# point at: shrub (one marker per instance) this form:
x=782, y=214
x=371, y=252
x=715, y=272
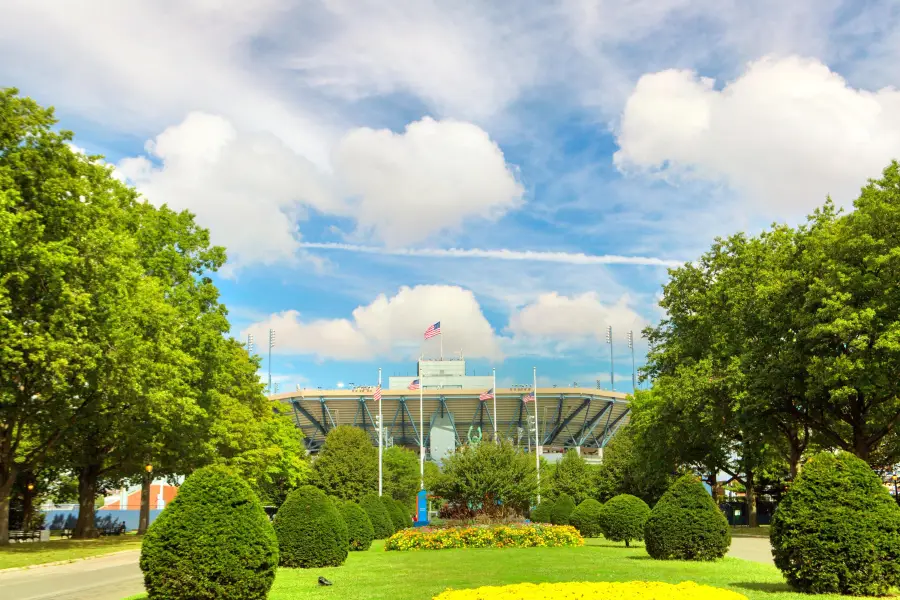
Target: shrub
x=623, y=518
x=494, y=536
x=394, y=517
x=311, y=532
x=378, y=515
x=837, y=530
x=686, y=524
x=543, y=512
x=573, y=476
x=360, y=532
x=213, y=540
x=633, y=590
x=586, y=518
x=401, y=474
x=562, y=510
x=347, y=466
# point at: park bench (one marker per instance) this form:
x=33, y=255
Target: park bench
x=24, y=536
x=112, y=529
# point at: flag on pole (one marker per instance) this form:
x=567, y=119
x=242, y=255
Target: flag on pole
x=528, y=398
x=487, y=395
x=433, y=331
x=414, y=385
x=378, y=393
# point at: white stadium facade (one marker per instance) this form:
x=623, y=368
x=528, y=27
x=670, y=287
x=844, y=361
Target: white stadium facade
x=453, y=413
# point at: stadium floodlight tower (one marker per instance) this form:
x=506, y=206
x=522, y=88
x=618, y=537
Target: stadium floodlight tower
x=271, y=345
x=630, y=338
x=609, y=340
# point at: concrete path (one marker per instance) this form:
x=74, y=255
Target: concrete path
x=752, y=548
x=111, y=577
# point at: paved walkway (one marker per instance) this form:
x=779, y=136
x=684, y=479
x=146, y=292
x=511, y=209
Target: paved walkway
x=752, y=548
x=111, y=577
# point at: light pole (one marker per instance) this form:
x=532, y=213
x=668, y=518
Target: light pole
x=271, y=345
x=631, y=347
x=609, y=340
x=249, y=344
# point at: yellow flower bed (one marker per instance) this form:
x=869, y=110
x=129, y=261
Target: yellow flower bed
x=633, y=590
x=496, y=536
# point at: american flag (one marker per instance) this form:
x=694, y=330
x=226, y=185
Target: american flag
x=528, y=398
x=433, y=330
x=487, y=395
x=414, y=385
x=378, y=394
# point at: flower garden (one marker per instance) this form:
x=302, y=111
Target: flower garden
x=498, y=536
x=632, y=590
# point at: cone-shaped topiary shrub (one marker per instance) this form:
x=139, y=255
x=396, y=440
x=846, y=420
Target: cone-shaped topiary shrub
x=311, y=532
x=837, y=530
x=393, y=512
x=213, y=540
x=359, y=527
x=623, y=518
x=686, y=524
x=586, y=518
x=562, y=510
x=543, y=512
x=378, y=514
x=406, y=513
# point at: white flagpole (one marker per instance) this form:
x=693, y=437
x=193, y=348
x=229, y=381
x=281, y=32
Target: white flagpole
x=441, y=335
x=496, y=439
x=380, y=437
x=537, y=436
x=421, y=433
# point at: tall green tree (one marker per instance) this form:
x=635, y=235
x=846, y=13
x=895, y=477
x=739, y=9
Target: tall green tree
x=347, y=465
x=573, y=476
x=401, y=478
x=66, y=264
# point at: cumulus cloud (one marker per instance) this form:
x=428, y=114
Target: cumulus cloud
x=574, y=319
x=251, y=190
x=785, y=134
x=429, y=178
x=388, y=327
x=248, y=189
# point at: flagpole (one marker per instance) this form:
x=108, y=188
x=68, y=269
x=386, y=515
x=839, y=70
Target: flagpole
x=421, y=432
x=380, y=437
x=537, y=437
x=441, y=335
x=495, y=406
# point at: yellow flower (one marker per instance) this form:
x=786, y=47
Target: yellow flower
x=634, y=590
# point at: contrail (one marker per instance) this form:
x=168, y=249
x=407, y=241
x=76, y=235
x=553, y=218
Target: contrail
x=571, y=258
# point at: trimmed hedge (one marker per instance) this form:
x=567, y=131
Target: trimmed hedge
x=623, y=518
x=491, y=536
x=543, y=512
x=393, y=517
x=311, y=532
x=562, y=510
x=686, y=524
x=837, y=530
x=359, y=528
x=632, y=590
x=378, y=515
x=586, y=518
x=213, y=540
x=397, y=513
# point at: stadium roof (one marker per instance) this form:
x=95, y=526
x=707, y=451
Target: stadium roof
x=568, y=417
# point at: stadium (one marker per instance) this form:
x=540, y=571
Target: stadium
x=457, y=409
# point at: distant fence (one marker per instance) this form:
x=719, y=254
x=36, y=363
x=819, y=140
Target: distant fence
x=65, y=519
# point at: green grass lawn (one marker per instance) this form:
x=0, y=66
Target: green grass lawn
x=37, y=553
x=379, y=575
x=761, y=531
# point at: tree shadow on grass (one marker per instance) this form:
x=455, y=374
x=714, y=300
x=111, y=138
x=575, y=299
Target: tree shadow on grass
x=638, y=557
x=769, y=588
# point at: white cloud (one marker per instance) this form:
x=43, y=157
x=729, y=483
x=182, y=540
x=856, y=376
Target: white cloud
x=570, y=320
x=428, y=179
x=785, y=134
x=571, y=258
x=388, y=327
x=251, y=190
x=248, y=189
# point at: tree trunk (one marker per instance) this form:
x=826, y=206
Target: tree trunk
x=796, y=454
x=750, y=497
x=6, y=486
x=144, y=520
x=85, y=526
x=27, y=506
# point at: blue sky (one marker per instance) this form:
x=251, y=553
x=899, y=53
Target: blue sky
x=522, y=174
